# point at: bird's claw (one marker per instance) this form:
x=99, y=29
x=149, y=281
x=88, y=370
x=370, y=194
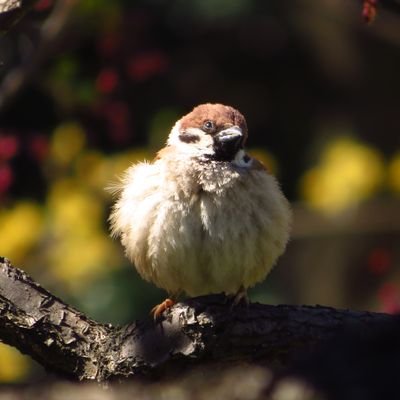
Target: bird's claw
x=240, y=297
x=160, y=308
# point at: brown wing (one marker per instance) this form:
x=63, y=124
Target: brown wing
x=258, y=165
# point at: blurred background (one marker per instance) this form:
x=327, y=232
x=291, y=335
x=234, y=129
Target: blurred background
x=88, y=87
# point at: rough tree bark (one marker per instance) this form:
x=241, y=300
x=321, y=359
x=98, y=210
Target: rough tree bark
x=11, y=11
x=199, y=330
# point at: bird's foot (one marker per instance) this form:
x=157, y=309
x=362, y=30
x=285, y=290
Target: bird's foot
x=240, y=297
x=160, y=308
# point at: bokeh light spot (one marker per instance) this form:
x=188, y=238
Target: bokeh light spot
x=348, y=172
x=14, y=366
x=67, y=141
x=379, y=261
x=107, y=80
x=21, y=228
x=9, y=146
x=394, y=173
x=6, y=178
x=144, y=66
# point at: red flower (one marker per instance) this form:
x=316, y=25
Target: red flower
x=6, y=178
x=389, y=297
x=39, y=147
x=144, y=66
x=8, y=146
x=43, y=5
x=379, y=261
x=107, y=80
x=369, y=10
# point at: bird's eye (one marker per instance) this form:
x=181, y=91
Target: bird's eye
x=208, y=126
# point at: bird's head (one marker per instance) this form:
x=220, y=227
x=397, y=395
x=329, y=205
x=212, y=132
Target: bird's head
x=211, y=131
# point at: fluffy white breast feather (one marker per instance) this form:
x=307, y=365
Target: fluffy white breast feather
x=201, y=226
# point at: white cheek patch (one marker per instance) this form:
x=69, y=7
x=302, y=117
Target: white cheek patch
x=205, y=141
x=173, y=138
x=204, y=144
x=242, y=160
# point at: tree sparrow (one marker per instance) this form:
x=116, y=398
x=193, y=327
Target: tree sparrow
x=204, y=217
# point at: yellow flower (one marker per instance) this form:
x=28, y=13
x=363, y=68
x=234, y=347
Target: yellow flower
x=348, y=173
x=98, y=171
x=13, y=366
x=21, y=229
x=80, y=247
x=77, y=260
x=394, y=173
x=73, y=209
x=67, y=142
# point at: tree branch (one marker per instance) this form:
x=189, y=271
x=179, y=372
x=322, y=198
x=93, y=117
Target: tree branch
x=11, y=11
x=50, y=33
x=202, y=329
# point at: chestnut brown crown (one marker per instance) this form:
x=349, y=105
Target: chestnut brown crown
x=221, y=116
x=219, y=130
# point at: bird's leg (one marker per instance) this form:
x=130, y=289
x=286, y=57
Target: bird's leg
x=240, y=297
x=160, y=308
x=165, y=305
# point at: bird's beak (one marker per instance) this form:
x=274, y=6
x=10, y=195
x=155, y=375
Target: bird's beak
x=231, y=136
x=227, y=143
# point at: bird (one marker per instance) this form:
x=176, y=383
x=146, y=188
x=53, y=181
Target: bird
x=204, y=216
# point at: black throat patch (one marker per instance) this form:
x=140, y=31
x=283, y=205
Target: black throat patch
x=226, y=151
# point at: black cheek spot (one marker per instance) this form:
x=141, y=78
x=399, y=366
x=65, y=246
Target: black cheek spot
x=189, y=138
x=246, y=158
